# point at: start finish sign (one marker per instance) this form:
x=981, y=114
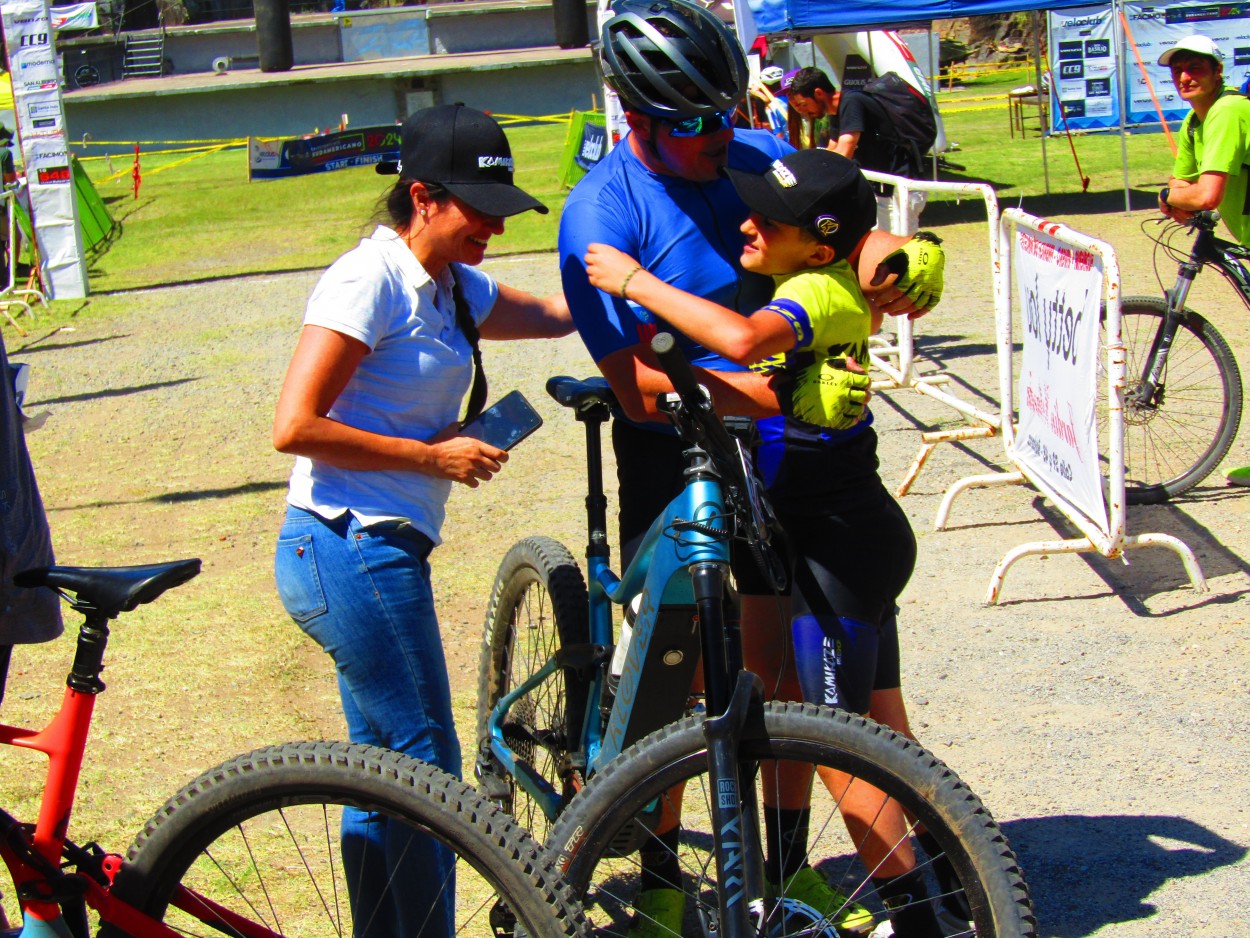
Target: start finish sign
x=1059, y=295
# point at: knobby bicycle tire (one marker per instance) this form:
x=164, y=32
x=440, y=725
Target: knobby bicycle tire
x=259, y=835
x=537, y=605
x=1171, y=446
x=586, y=840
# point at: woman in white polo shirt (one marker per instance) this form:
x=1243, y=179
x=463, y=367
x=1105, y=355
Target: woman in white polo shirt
x=371, y=409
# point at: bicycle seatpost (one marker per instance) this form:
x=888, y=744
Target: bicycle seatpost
x=594, y=412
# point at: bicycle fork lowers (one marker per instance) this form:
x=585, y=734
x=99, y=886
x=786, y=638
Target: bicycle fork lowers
x=1207, y=249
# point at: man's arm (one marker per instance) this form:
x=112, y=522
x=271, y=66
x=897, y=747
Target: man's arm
x=845, y=145
x=908, y=285
x=636, y=379
x=1201, y=195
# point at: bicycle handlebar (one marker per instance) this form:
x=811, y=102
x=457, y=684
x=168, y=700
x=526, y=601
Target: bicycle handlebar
x=696, y=402
x=697, y=422
x=1206, y=220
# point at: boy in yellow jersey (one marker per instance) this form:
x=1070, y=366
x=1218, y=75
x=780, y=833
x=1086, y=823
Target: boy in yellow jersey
x=852, y=545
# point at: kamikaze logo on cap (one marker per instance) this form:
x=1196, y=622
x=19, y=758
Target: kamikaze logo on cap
x=466, y=152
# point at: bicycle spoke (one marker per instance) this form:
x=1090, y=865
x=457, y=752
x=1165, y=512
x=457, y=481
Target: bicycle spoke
x=273, y=857
x=861, y=833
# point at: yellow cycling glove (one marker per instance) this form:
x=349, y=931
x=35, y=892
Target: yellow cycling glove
x=920, y=265
x=825, y=393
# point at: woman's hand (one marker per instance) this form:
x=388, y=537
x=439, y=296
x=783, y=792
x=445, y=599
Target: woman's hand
x=464, y=459
x=608, y=268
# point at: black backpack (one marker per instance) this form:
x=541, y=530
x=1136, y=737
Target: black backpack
x=913, y=128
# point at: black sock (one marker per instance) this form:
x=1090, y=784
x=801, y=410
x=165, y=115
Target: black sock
x=786, y=832
x=660, y=866
x=954, y=899
x=906, y=901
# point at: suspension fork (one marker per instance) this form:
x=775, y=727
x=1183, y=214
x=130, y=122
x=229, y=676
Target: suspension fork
x=737, y=846
x=1154, y=369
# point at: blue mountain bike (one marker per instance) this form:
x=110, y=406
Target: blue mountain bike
x=596, y=741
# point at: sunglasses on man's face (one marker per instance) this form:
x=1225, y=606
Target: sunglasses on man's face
x=701, y=126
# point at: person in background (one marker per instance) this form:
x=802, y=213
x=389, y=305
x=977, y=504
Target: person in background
x=813, y=101
x=8, y=177
x=1213, y=146
x=26, y=615
x=767, y=92
x=371, y=409
x=848, y=123
x=1212, y=165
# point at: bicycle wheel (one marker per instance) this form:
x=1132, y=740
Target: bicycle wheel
x=975, y=862
x=537, y=605
x=252, y=848
x=1175, y=441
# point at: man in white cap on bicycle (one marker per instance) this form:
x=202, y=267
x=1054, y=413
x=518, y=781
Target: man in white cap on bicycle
x=1213, y=150
x=1212, y=167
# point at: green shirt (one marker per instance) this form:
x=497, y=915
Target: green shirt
x=821, y=129
x=1220, y=144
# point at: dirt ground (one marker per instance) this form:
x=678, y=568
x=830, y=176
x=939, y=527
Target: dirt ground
x=1100, y=710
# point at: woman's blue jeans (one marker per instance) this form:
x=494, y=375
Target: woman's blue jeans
x=364, y=595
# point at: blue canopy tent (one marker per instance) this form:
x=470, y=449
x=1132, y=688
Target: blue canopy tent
x=804, y=18
x=773, y=16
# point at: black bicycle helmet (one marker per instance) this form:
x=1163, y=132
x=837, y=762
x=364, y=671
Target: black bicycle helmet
x=671, y=59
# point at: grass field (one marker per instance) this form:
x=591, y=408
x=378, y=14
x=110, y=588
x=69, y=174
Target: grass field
x=199, y=217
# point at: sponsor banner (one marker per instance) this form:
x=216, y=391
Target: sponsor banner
x=1084, y=65
x=34, y=69
x=1156, y=28
x=26, y=25
x=1059, y=292
x=42, y=112
x=74, y=16
x=40, y=120
x=320, y=153
x=47, y=160
x=585, y=144
x=594, y=143
x=1091, y=90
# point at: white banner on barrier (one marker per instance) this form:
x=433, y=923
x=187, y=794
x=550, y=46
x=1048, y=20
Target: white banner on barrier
x=1059, y=290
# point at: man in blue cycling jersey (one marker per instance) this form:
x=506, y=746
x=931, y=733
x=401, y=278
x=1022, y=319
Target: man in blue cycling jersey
x=660, y=197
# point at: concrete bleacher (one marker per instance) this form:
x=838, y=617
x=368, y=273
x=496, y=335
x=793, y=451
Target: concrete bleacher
x=375, y=66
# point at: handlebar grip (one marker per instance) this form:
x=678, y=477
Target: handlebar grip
x=695, y=399
x=676, y=367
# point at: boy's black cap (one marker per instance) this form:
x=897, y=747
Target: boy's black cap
x=813, y=189
x=465, y=152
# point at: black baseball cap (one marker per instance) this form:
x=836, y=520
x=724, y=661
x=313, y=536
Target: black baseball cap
x=818, y=190
x=465, y=152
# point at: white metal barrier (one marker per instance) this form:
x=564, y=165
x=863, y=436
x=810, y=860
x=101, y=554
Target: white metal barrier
x=11, y=296
x=1106, y=533
x=897, y=359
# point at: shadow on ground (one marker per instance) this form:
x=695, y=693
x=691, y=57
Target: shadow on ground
x=1086, y=873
